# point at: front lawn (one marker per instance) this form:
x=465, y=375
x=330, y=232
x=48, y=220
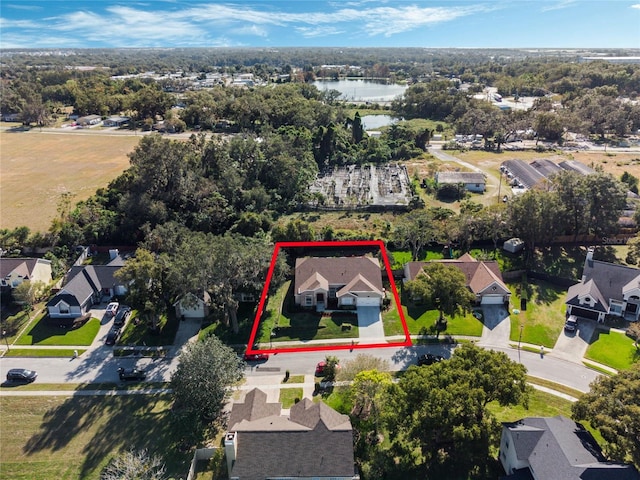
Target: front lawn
x=421, y=321
x=288, y=396
x=44, y=333
x=543, y=320
x=288, y=324
x=70, y=438
x=613, y=349
x=38, y=352
x=246, y=316
x=138, y=332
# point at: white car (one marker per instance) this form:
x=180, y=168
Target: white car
x=112, y=309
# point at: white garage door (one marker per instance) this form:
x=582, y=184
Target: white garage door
x=368, y=302
x=492, y=300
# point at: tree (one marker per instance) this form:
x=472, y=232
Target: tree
x=415, y=230
x=612, y=405
x=368, y=393
x=28, y=293
x=438, y=414
x=361, y=363
x=442, y=286
x=357, y=130
x=134, y=465
x=330, y=368
x=206, y=369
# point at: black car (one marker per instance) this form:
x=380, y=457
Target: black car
x=113, y=335
x=21, y=375
x=429, y=359
x=122, y=315
x=131, y=374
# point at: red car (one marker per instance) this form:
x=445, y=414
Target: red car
x=255, y=357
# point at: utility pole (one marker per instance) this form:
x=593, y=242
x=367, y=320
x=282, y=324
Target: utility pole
x=4, y=334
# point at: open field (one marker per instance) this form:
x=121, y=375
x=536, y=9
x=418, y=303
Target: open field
x=72, y=438
x=36, y=168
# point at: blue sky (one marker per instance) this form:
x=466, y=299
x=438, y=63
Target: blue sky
x=357, y=23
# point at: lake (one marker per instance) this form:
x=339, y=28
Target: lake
x=374, y=122
x=363, y=90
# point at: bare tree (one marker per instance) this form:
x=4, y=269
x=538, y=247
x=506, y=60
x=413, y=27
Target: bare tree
x=134, y=465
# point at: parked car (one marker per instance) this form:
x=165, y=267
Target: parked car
x=113, y=335
x=131, y=374
x=255, y=357
x=112, y=309
x=429, y=359
x=321, y=366
x=571, y=324
x=21, y=375
x=122, y=315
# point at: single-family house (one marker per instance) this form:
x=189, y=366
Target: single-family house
x=484, y=279
x=14, y=271
x=472, y=181
x=312, y=441
x=84, y=287
x=338, y=282
x=89, y=120
x=193, y=306
x=115, y=121
x=605, y=289
x=556, y=448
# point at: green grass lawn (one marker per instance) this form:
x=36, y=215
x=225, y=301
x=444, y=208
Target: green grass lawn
x=295, y=379
x=35, y=352
x=246, y=316
x=139, y=333
x=543, y=320
x=72, y=438
x=44, y=333
x=289, y=325
x=421, y=321
x=288, y=396
x=613, y=349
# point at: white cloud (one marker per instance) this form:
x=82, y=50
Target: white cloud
x=637, y=5
x=560, y=5
x=316, y=32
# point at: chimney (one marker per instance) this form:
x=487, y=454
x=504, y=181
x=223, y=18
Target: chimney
x=590, y=251
x=230, y=450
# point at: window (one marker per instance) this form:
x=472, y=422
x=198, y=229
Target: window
x=308, y=300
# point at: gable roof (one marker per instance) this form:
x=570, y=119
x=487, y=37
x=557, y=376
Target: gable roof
x=603, y=281
x=479, y=276
x=358, y=284
x=313, y=441
x=313, y=272
x=84, y=281
x=23, y=267
x=559, y=448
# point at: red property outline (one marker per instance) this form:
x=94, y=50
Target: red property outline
x=320, y=348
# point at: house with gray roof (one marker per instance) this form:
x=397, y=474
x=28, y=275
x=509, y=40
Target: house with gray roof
x=472, y=181
x=311, y=441
x=338, y=282
x=556, y=448
x=14, y=271
x=605, y=289
x=84, y=287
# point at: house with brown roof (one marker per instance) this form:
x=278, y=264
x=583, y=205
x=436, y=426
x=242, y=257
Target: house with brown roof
x=14, y=271
x=312, y=441
x=338, y=282
x=556, y=448
x=484, y=279
x=605, y=289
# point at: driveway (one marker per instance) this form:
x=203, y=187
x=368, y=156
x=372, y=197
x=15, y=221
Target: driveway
x=370, y=325
x=572, y=346
x=496, y=326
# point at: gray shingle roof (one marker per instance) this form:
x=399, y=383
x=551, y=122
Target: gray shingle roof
x=524, y=172
x=559, y=448
x=314, y=441
x=460, y=177
x=83, y=282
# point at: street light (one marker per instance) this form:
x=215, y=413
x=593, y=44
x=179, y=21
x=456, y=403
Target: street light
x=520, y=337
x=4, y=334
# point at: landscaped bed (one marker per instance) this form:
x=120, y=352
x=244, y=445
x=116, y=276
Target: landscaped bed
x=613, y=349
x=43, y=332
